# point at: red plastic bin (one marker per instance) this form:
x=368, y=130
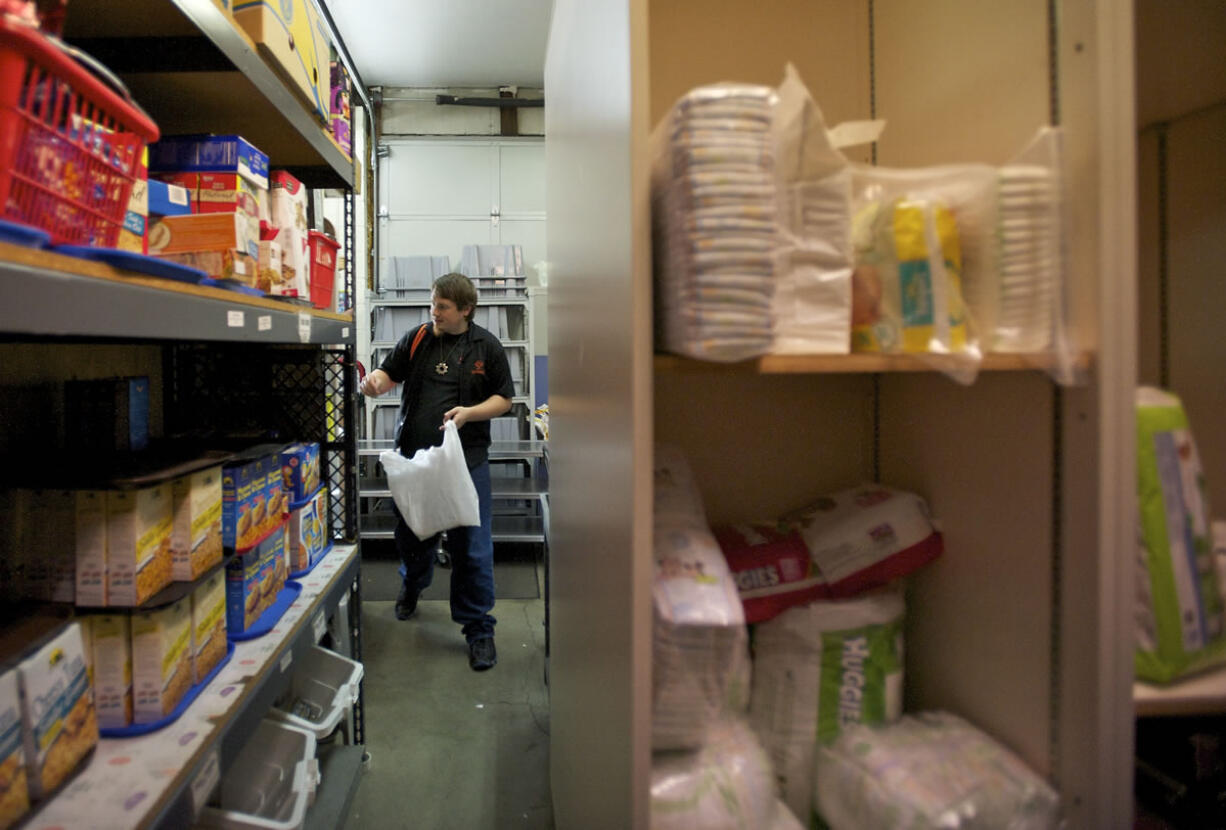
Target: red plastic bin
x=323, y=268
x=69, y=144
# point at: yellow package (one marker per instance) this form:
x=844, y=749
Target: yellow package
x=907, y=284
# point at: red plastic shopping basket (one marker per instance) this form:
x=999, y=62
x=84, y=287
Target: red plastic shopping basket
x=323, y=268
x=69, y=144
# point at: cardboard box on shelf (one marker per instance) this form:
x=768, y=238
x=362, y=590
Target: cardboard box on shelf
x=219, y=265
x=229, y=192
x=287, y=34
x=195, y=540
x=287, y=205
x=132, y=235
x=161, y=660
x=166, y=199
x=14, y=785
x=210, y=154
x=59, y=724
x=236, y=230
x=138, y=526
x=269, y=277
x=308, y=532
x=242, y=491
x=251, y=582
x=90, y=534
x=208, y=625
x=112, y=661
x=188, y=181
x=300, y=469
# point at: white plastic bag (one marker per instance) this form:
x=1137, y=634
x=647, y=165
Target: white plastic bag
x=433, y=489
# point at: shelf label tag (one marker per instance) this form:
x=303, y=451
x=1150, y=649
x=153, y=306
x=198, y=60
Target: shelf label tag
x=344, y=332
x=286, y=659
x=205, y=780
x=264, y=322
x=320, y=623
x=236, y=319
x=304, y=326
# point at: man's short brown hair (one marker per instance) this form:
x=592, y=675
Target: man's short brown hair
x=460, y=290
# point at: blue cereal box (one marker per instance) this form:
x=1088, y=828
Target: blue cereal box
x=210, y=153
x=300, y=470
x=243, y=591
x=242, y=490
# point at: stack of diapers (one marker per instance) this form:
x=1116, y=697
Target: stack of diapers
x=838, y=546
x=1027, y=314
x=715, y=221
x=932, y=770
x=812, y=306
x=727, y=785
x=818, y=669
x=1180, y=608
x=700, y=655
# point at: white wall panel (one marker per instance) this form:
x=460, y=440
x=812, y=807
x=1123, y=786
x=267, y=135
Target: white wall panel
x=522, y=178
x=438, y=178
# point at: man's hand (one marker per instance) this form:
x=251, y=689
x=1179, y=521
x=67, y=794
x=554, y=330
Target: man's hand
x=459, y=414
x=375, y=384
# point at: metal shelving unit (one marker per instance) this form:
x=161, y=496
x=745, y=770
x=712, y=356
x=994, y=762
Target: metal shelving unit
x=228, y=360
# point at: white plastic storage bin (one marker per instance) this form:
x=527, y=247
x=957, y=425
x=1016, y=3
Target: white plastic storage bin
x=270, y=784
x=324, y=686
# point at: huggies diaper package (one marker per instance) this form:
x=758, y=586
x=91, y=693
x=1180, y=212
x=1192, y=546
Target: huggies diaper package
x=1180, y=606
x=819, y=668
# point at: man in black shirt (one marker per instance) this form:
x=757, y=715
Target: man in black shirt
x=452, y=370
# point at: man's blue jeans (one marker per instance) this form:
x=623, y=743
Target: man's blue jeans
x=472, y=563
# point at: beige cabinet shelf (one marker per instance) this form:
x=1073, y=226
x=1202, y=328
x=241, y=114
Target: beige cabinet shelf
x=859, y=364
x=1204, y=694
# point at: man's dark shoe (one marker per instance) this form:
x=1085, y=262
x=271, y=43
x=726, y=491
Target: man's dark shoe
x=481, y=654
x=406, y=603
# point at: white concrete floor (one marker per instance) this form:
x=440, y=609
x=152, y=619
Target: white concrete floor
x=450, y=747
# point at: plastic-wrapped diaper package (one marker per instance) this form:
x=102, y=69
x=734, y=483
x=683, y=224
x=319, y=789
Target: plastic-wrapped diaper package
x=772, y=568
x=725, y=785
x=715, y=212
x=920, y=236
x=812, y=307
x=677, y=500
x=1023, y=311
x=700, y=649
x=932, y=770
x=819, y=668
x=1180, y=607
x=867, y=536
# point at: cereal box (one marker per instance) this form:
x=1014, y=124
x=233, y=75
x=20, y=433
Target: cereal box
x=138, y=525
x=242, y=487
x=308, y=532
x=112, y=660
x=208, y=625
x=195, y=540
x=57, y=708
x=161, y=660
x=90, y=537
x=243, y=575
x=14, y=790
x=300, y=470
